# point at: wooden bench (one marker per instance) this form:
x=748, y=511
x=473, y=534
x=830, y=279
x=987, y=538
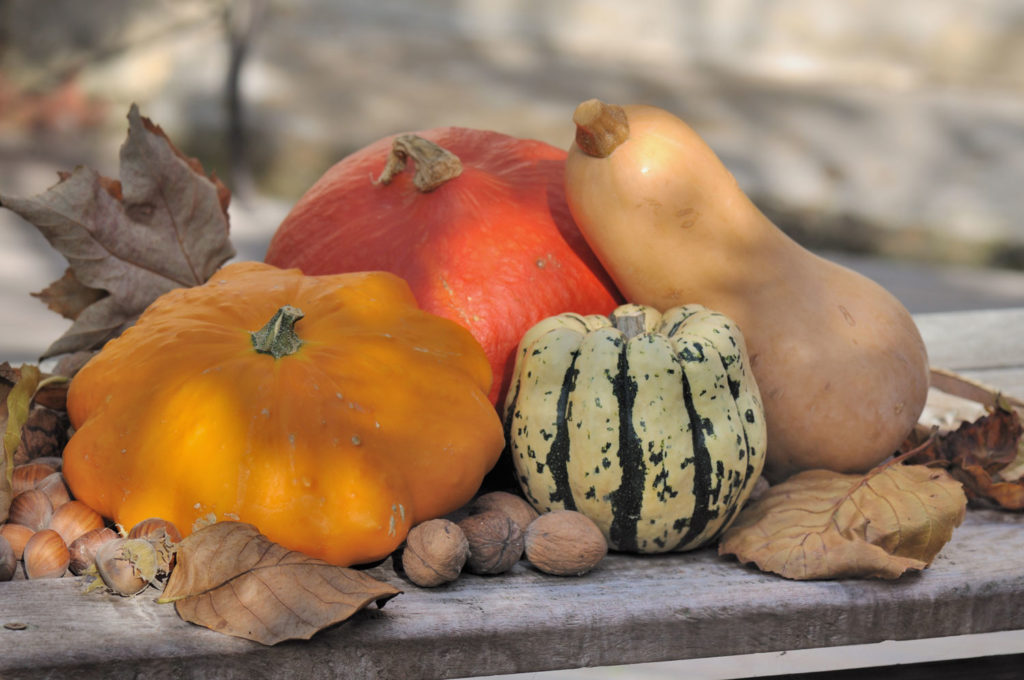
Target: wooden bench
x=630, y=610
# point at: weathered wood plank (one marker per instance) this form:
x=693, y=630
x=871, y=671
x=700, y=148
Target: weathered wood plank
x=629, y=610
x=983, y=340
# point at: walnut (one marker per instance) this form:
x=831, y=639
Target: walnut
x=495, y=542
x=565, y=543
x=516, y=507
x=435, y=552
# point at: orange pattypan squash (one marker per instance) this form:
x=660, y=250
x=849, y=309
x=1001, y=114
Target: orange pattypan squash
x=348, y=418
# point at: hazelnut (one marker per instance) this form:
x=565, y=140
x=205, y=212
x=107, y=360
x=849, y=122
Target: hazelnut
x=516, y=507
x=74, y=518
x=8, y=562
x=164, y=536
x=83, y=549
x=46, y=555
x=495, y=542
x=17, y=535
x=127, y=565
x=27, y=475
x=565, y=543
x=155, y=528
x=435, y=553
x=55, y=489
x=32, y=509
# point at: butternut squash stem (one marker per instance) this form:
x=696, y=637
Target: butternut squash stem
x=600, y=127
x=278, y=338
x=435, y=165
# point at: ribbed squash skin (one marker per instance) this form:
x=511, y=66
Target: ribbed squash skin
x=657, y=433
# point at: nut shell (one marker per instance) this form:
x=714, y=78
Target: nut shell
x=164, y=536
x=565, y=543
x=495, y=542
x=55, y=489
x=8, y=562
x=32, y=509
x=83, y=549
x=17, y=535
x=27, y=475
x=155, y=528
x=126, y=565
x=516, y=507
x=46, y=555
x=435, y=553
x=74, y=518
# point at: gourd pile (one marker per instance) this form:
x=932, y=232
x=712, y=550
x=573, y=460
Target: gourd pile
x=614, y=332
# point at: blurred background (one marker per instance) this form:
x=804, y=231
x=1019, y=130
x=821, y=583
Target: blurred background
x=887, y=135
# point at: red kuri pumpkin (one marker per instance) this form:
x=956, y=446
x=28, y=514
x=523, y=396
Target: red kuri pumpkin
x=480, y=231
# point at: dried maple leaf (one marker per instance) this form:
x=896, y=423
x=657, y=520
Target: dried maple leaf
x=826, y=525
x=986, y=455
x=234, y=580
x=163, y=226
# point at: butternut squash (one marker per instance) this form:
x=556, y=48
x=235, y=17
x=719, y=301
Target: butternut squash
x=840, y=364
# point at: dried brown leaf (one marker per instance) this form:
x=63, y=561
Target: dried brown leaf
x=234, y=580
x=986, y=455
x=68, y=297
x=825, y=525
x=51, y=393
x=163, y=226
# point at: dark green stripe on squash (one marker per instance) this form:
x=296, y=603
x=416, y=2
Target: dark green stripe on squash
x=701, y=462
x=627, y=499
x=558, y=454
x=637, y=465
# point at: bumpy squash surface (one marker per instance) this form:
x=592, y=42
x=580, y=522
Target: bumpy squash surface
x=376, y=420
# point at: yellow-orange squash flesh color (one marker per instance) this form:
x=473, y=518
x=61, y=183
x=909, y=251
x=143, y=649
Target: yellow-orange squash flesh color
x=378, y=421
x=841, y=366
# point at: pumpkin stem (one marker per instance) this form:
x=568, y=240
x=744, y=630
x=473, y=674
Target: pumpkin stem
x=600, y=127
x=278, y=337
x=434, y=165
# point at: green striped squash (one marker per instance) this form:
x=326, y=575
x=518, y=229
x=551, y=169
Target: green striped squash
x=650, y=424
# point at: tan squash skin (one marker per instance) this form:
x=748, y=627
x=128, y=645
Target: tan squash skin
x=841, y=366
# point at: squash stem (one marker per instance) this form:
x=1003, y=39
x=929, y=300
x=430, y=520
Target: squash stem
x=600, y=127
x=278, y=337
x=632, y=323
x=435, y=165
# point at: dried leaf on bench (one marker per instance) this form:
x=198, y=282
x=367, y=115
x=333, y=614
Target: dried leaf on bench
x=986, y=455
x=163, y=226
x=825, y=525
x=232, y=579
